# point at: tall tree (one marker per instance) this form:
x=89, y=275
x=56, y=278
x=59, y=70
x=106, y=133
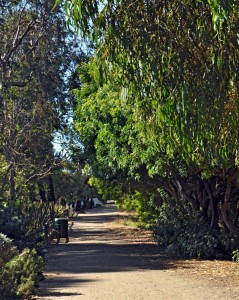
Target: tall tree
x=35, y=56
x=177, y=62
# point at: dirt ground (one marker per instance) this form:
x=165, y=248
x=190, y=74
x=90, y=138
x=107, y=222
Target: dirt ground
x=106, y=260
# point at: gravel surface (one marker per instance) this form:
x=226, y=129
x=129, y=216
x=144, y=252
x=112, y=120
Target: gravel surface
x=105, y=260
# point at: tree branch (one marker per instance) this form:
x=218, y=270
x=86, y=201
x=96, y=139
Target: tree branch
x=5, y=177
x=18, y=40
x=38, y=176
x=15, y=83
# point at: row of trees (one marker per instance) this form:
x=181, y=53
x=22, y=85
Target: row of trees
x=37, y=57
x=158, y=108
x=37, y=62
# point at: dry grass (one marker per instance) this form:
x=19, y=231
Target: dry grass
x=220, y=272
x=217, y=272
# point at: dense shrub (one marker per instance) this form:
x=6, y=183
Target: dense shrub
x=7, y=250
x=197, y=241
x=19, y=275
x=235, y=255
x=13, y=224
x=186, y=240
x=190, y=236
x=36, y=215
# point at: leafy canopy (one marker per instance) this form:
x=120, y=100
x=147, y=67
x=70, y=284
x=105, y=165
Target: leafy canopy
x=178, y=61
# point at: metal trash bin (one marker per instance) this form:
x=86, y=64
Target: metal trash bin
x=61, y=228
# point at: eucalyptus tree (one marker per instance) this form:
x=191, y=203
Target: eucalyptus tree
x=165, y=53
x=177, y=64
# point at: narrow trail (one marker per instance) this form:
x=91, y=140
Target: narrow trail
x=100, y=262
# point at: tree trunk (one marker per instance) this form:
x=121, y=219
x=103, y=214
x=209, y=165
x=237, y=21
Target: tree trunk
x=42, y=191
x=235, y=222
x=51, y=190
x=225, y=205
x=205, y=203
x=212, y=206
x=12, y=188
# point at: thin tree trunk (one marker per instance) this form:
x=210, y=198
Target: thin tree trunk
x=235, y=222
x=224, y=209
x=51, y=190
x=42, y=191
x=12, y=189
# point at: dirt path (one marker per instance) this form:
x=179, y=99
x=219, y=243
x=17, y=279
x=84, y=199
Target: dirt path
x=106, y=262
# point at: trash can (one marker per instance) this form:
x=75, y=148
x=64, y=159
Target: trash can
x=61, y=228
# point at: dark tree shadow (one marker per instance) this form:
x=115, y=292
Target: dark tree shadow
x=109, y=252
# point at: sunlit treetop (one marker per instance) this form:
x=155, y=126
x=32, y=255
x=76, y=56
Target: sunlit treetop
x=178, y=60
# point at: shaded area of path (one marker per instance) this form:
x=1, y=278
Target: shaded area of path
x=102, y=263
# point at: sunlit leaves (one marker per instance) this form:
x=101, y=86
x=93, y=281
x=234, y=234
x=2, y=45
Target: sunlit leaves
x=177, y=60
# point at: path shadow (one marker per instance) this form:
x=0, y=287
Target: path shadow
x=96, y=249
x=60, y=282
x=104, y=257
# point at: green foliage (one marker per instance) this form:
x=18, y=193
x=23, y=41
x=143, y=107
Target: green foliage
x=13, y=223
x=197, y=242
x=141, y=204
x=70, y=181
x=113, y=132
x=164, y=117
x=7, y=250
x=37, y=57
x=190, y=238
x=235, y=256
x=19, y=275
x=172, y=66
x=36, y=215
x=59, y=210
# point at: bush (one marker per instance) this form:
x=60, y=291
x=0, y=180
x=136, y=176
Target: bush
x=191, y=236
x=36, y=215
x=12, y=223
x=200, y=244
x=7, y=250
x=235, y=256
x=19, y=275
